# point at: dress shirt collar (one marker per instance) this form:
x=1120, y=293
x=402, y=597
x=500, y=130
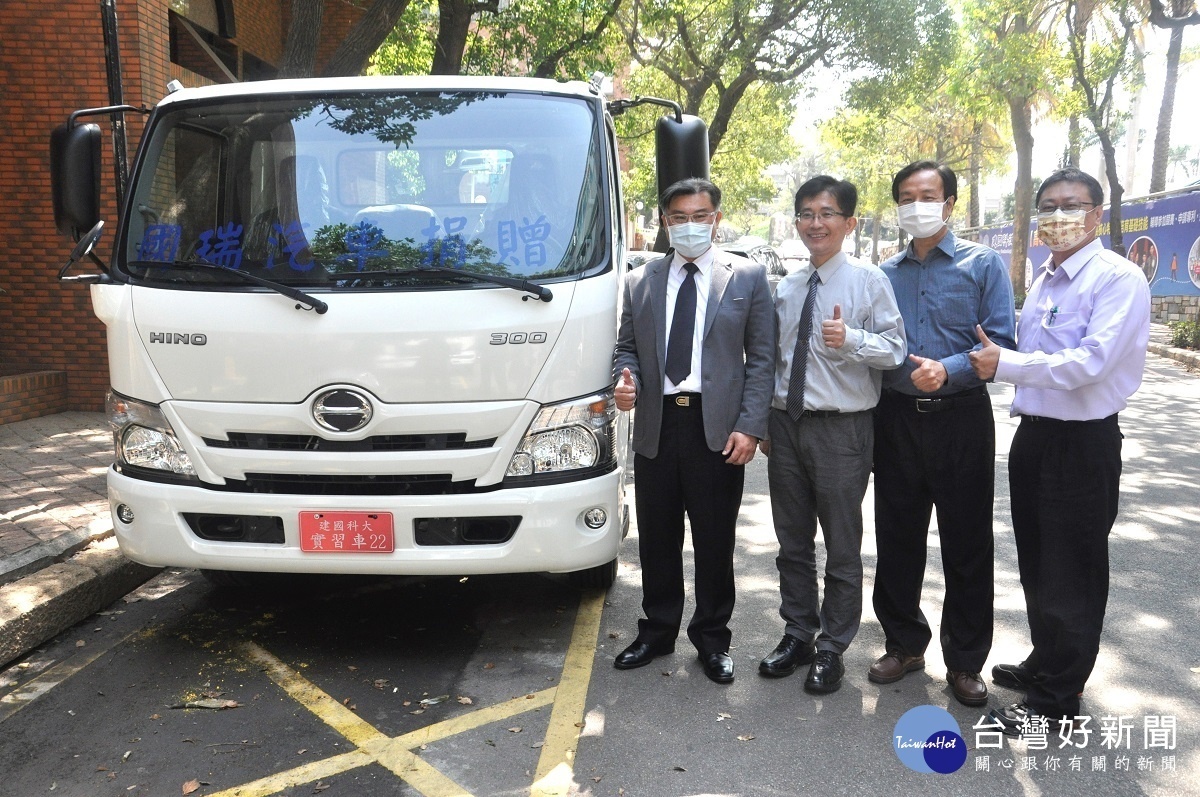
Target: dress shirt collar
x=703, y=263
x=1075, y=263
x=827, y=269
x=947, y=245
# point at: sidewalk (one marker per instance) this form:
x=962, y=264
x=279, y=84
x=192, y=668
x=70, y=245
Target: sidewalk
x=58, y=560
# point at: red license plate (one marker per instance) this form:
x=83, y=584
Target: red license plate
x=346, y=532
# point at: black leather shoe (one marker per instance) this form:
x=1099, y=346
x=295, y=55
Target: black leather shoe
x=639, y=654
x=1019, y=718
x=718, y=667
x=825, y=674
x=789, y=654
x=1014, y=676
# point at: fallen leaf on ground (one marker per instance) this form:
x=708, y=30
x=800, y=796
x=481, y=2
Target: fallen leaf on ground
x=515, y=729
x=679, y=769
x=212, y=703
x=466, y=701
x=745, y=737
x=489, y=666
x=433, y=701
x=191, y=786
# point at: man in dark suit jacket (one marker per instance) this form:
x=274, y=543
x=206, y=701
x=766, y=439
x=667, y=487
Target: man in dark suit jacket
x=696, y=352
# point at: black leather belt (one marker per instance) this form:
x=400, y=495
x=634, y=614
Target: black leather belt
x=820, y=413
x=682, y=400
x=967, y=398
x=1044, y=419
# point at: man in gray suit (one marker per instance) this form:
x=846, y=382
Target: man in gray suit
x=696, y=353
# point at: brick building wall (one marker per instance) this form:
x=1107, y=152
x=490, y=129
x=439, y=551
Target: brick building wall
x=53, y=63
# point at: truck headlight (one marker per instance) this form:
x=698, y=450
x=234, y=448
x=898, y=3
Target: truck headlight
x=143, y=437
x=573, y=439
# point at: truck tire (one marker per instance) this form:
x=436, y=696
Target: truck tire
x=600, y=576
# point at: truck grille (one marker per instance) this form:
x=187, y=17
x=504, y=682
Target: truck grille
x=323, y=484
x=392, y=442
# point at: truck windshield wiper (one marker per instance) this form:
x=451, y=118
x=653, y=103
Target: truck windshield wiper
x=525, y=286
x=287, y=290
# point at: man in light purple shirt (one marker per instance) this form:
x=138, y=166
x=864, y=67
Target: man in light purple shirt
x=1081, y=350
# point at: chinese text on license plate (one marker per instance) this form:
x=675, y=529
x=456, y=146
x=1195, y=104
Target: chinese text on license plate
x=346, y=532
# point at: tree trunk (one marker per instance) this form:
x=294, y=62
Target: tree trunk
x=727, y=101
x=1074, y=142
x=364, y=38
x=1116, y=192
x=300, y=50
x=454, y=24
x=1022, y=127
x=1166, y=112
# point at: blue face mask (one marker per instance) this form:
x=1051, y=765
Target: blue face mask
x=691, y=239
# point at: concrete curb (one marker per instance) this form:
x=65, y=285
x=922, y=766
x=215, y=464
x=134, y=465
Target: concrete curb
x=1185, y=356
x=48, y=602
x=42, y=555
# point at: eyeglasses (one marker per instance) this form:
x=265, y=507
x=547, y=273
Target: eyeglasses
x=807, y=217
x=1069, y=207
x=695, y=218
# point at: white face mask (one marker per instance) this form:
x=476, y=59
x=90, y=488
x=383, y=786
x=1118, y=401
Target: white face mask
x=921, y=219
x=690, y=239
x=1062, y=230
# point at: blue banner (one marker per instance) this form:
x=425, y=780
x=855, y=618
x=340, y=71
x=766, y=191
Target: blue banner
x=1162, y=236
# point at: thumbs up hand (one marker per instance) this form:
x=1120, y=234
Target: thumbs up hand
x=984, y=360
x=929, y=374
x=626, y=392
x=833, y=331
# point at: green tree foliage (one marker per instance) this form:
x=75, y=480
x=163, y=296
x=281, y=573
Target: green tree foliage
x=757, y=137
x=1099, y=35
x=1020, y=58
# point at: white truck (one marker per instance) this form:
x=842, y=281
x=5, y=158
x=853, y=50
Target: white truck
x=365, y=325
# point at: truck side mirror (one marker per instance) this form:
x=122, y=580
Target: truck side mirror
x=75, y=178
x=681, y=146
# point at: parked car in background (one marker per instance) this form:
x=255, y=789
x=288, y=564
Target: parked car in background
x=636, y=258
x=759, y=251
x=794, y=254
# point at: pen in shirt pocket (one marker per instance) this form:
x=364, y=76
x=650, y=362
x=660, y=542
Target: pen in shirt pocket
x=1050, y=315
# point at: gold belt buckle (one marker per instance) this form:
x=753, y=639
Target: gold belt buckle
x=683, y=401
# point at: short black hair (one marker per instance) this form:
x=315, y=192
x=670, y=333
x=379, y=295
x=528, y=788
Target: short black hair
x=1072, y=175
x=692, y=185
x=949, y=178
x=844, y=191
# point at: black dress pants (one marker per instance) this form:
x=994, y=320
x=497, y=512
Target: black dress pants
x=939, y=455
x=686, y=477
x=1064, y=478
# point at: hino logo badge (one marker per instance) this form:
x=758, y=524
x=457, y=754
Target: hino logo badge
x=187, y=338
x=342, y=410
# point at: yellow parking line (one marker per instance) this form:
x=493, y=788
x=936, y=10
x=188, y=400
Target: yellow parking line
x=308, y=773
x=304, y=692
x=556, y=767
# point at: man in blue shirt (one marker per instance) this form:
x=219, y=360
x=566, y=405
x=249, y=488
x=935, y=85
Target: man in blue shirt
x=935, y=439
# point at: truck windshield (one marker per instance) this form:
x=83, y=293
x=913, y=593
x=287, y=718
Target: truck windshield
x=311, y=192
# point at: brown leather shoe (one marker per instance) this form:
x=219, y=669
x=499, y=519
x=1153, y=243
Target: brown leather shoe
x=894, y=665
x=969, y=689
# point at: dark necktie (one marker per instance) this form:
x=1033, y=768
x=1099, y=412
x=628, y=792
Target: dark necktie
x=795, y=397
x=683, y=326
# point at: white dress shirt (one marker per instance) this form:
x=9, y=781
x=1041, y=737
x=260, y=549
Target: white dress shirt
x=1081, y=339
x=704, y=266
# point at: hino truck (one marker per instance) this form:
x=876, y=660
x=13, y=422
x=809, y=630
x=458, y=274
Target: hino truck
x=365, y=325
